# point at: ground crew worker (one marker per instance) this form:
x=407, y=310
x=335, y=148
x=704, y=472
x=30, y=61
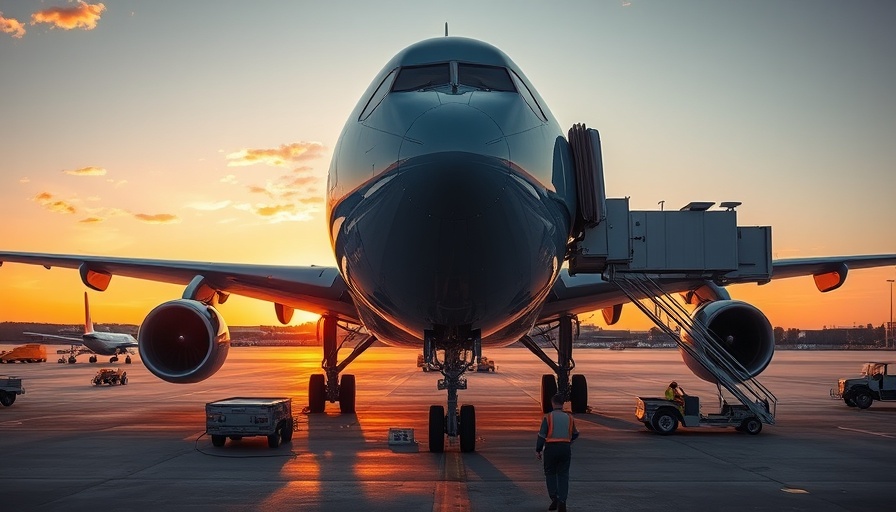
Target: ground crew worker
x=675, y=394
x=558, y=431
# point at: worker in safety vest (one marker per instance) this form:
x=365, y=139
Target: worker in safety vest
x=558, y=431
x=675, y=393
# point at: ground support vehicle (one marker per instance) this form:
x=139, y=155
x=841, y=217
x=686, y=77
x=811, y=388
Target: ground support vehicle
x=875, y=383
x=10, y=388
x=30, y=353
x=485, y=365
x=421, y=363
x=663, y=416
x=110, y=376
x=240, y=417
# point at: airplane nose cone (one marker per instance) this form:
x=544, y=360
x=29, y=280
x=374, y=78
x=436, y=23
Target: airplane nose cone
x=454, y=163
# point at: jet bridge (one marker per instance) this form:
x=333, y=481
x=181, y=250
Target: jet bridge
x=647, y=252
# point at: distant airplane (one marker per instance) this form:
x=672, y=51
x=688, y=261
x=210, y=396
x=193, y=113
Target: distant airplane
x=453, y=201
x=97, y=343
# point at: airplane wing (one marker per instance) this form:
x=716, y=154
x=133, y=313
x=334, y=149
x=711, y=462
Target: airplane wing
x=71, y=339
x=314, y=289
x=589, y=292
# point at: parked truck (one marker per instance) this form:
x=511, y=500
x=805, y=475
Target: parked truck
x=10, y=388
x=874, y=383
x=30, y=353
x=240, y=417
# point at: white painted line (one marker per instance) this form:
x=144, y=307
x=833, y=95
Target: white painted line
x=867, y=432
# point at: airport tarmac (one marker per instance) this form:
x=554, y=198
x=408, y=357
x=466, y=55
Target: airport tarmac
x=68, y=445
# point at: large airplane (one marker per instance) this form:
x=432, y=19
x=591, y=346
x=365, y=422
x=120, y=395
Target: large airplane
x=451, y=207
x=95, y=342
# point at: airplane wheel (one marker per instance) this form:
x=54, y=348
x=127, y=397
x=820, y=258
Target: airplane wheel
x=218, y=440
x=92, y=359
x=548, y=390
x=664, y=422
x=436, y=429
x=113, y=359
x=578, y=395
x=7, y=398
x=316, y=393
x=347, y=394
x=127, y=360
x=72, y=360
x=467, y=428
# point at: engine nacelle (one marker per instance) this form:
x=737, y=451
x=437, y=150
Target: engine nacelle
x=183, y=341
x=745, y=332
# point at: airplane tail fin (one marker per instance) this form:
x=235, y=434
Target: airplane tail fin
x=88, y=323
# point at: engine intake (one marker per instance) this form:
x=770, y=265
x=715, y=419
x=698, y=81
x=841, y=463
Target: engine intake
x=183, y=341
x=745, y=334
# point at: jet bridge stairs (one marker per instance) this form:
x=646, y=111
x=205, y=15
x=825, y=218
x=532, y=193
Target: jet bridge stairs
x=649, y=253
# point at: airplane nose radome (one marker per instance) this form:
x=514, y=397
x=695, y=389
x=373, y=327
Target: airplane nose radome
x=454, y=127
x=454, y=163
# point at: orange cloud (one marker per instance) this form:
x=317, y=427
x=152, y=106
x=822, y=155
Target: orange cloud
x=87, y=171
x=47, y=200
x=83, y=15
x=91, y=220
x=280, y=157
x=12, y=26
x=159, y=218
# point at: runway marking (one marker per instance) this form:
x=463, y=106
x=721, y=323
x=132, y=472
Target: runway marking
x=451, y=491
x=867, y=432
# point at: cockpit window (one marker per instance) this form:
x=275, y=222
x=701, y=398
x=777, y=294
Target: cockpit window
x=377, y=97
x=490, y=78
x=421, y=77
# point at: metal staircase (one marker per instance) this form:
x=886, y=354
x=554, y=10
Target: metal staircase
x=707, y=348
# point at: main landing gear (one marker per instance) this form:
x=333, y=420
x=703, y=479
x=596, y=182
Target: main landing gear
x=460, y=350
x=575, y=390
x=328, y=387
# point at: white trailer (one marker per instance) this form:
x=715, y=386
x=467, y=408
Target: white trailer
x=240, y=417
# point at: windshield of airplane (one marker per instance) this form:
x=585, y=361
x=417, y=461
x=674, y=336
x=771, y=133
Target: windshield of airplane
x=490, y=78
x=422, y=77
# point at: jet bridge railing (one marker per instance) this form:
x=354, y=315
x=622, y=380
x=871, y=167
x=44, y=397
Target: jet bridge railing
x=707, y=348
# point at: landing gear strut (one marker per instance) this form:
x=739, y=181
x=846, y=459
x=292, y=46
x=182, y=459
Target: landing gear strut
x=328, y=387
x=575, y=391
x=460, y=349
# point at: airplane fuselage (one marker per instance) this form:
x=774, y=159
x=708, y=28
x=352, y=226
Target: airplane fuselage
x=108, y=343
x=451, y=196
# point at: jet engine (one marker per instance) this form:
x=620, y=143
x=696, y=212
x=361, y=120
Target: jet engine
x=183, y=341
x=745, y=334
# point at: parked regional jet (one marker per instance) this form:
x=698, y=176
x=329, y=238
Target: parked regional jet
x=451, y=207
x=94, y=342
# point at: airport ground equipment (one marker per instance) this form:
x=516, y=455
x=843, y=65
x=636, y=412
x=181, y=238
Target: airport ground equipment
x=30, y=353
x=875, y=383
x=10, y=388
x=110, y=376
x=240, y=417
x=663, y=416
x=485, y=365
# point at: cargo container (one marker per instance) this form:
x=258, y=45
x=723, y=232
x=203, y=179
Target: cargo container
x=240, y=417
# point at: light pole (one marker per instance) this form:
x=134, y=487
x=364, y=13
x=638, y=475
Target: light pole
x=889, y=325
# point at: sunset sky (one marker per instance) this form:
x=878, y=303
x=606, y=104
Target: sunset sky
x=203, y=130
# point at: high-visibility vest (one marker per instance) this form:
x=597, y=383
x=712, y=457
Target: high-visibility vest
x=550, y=437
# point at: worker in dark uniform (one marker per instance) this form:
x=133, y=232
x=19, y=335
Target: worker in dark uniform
x=558, y=431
